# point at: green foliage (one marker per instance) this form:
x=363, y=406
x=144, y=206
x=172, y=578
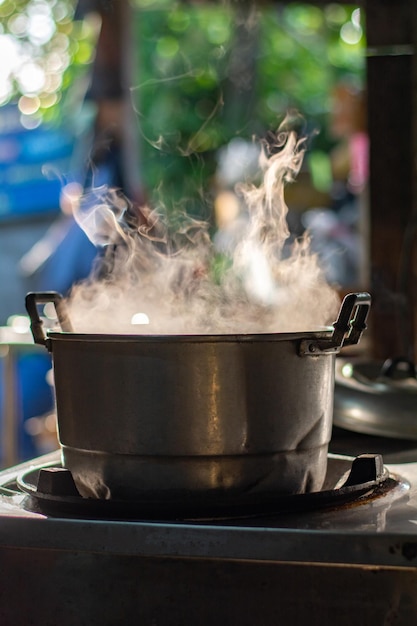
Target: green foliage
x=207, y=73
x=204, y=73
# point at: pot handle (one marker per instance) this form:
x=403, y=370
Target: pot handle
x=348, y=327
x=351, y=321
x=33, y=299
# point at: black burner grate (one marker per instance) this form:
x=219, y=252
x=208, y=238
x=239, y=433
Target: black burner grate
x=51, y=491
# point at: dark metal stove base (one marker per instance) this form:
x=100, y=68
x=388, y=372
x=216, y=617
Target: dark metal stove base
x=51, y=490
x=355, y=564
x=96, y=589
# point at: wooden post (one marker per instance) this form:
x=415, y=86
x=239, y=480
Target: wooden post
x=391, y=93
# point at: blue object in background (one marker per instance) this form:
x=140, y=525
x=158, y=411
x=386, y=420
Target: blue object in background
x=32, y=165
x=71, y=261
x=35, y=397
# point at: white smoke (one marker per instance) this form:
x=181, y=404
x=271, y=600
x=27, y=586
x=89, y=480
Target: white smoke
x=165, y=276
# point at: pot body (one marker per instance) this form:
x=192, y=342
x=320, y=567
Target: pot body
x=188, y=417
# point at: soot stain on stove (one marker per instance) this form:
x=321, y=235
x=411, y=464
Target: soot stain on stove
x=409, y=550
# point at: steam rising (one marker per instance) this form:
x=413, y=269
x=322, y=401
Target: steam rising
x=165, y=277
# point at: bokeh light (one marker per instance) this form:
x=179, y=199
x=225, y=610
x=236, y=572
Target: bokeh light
x=39, y=45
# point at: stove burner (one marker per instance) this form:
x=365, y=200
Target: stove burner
x=51, y=491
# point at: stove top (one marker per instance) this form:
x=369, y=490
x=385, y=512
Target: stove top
x=51, y=490
x=354, y=557
x=373, y=520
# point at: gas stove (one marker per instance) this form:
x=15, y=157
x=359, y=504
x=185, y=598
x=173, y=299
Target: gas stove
x=349, y=550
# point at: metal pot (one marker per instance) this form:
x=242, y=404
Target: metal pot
x=375, y=398
x=213, y=417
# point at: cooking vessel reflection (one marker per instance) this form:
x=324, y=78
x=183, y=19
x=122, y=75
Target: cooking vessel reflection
x=195, y=417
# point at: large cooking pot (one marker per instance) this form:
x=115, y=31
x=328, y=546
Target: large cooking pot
x=185, y=418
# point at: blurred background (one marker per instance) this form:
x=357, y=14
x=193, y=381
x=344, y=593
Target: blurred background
x=162, y=100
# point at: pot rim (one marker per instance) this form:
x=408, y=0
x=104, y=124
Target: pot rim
x=191, y=338
x=346, y=330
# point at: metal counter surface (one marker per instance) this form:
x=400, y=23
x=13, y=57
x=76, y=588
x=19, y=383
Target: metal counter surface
x=382, y=531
